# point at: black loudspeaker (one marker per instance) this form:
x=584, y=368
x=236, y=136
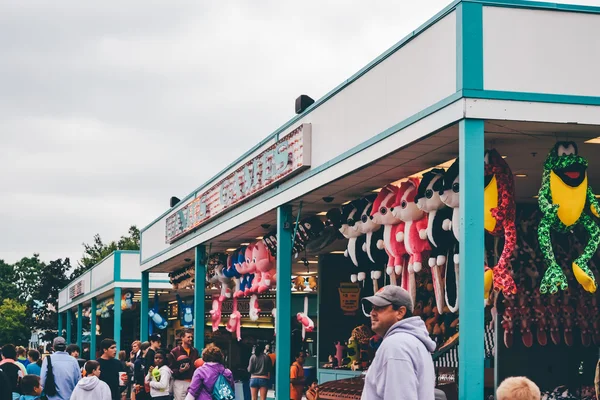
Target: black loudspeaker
x=174, y=201
x=302, y=103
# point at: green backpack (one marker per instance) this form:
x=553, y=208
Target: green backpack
x=222, y=390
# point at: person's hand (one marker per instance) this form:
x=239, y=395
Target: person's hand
x=151, y=369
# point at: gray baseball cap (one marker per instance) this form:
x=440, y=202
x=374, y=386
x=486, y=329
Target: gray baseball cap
x=59, y=341
x=391, y=295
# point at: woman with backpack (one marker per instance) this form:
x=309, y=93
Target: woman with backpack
x=212, y=381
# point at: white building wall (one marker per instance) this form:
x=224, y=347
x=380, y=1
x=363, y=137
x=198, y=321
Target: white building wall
x=130, y=266
x=541, y=51
x=103, y=272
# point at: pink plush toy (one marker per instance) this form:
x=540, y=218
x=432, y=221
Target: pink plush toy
x=254, y=310
x=307, y=324
x=414, y=236
x=265, y=265
x=339, y=352
x=235, y=319
x=382, y=215
x=215, y=313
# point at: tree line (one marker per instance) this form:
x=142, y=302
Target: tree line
x=29, y=287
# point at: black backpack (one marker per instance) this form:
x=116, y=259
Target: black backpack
x=50, y=386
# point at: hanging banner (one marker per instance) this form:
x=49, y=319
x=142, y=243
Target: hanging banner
x=349, y=298
x=283, y=159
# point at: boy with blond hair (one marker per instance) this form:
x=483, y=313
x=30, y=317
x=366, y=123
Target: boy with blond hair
x=518, y=388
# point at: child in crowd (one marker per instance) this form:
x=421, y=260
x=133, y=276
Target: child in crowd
x=518, y=388
x=91, y=387
x=313, y=391
x=159, y=377
x=35, y=363
x=31, y=388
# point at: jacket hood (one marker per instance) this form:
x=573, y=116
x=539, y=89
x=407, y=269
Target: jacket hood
x=413, y=326
x=88, y=383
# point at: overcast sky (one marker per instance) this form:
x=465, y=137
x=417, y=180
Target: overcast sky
x=107, y=110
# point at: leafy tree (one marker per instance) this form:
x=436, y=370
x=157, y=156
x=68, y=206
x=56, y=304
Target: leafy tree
x=8, y=279
x=52, y=279
x=13, y=325
x=98, y=250
x=28, y=271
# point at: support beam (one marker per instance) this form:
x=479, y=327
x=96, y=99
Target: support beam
x=200, y=260
x=93, y=323
x=117, y=320
x=60, y=324
x=69, y=323
x=80, y=326
x=145, y=298
x=284, y=302
x=472, y=252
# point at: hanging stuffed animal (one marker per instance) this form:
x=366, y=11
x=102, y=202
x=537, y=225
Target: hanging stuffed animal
x=307, y=324
x=265, y=264
x=215, y=313
x=414, y=236
x=373, y=233
x=158, y=320
x=235, y=320
x=382, y=215
x=186, y=313
x=254, y=310
x=309, y=228
x=567, y=200
x=312, y=283
x=441, y=240
x=231, y=272
x=499, y=219
x=246, y=270
x=299, y=284
x=227, y=285
x=349, y=229
x=449, y=194
x=127, y=301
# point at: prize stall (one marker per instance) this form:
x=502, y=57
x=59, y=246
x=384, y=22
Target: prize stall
x=458, y=165
x=104, y=302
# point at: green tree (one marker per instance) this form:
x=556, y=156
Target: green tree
x=52, y=279
x=8, y=279
x=98, y=250
x=13, y=325
x=28, y=271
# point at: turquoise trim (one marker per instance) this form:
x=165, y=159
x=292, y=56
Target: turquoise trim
x=538, y=5
x=117, y=266
x=127, y=252
x=93, y=323
x=139, y=280
x=60, y=324
x=283, y=328
x=69, y=323
x=532, y=97
x=117, y=318
x=80, y=326
x=144, y=306
x=89, y=271
x=469, y=46
x=312, y=172
x=200, y=261
x=471, y=349
x=447, y=10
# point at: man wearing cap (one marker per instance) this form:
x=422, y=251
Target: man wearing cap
x=65, y=371
x=403, y=367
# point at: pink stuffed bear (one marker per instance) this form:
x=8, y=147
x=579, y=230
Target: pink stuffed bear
x=382, y=215
x=265, y=265
x=215, y=313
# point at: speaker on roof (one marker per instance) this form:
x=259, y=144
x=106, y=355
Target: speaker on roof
x=174, y=201
x=302, y=103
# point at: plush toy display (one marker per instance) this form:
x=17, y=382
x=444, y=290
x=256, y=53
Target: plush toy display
x=567, y=201
x=127, y=301
x=235, y=321
x=391, y=226
x=246, y=270
x=312, y=283
x=373, y=233
x=223, y=282
x=499, y=219
x=414, y=236
x=183, y=278
x=265, y=266
x=254, y=310
x=299, y=284
x=307, y=324
x=158, y=320
x=449, y=194
x=309, y=229
x=350, y=218
x=231, y=271
x=340, y=349
x=186, y=313
x=441, y=240
x=215, y=313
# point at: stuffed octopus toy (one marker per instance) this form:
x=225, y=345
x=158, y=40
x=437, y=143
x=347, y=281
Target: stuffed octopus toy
x=499, y=220
x=566, y=200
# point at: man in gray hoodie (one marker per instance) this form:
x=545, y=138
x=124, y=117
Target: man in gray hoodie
x=403, y=367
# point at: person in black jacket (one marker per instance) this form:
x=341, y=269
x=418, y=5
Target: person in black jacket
x=5, y=391
x=139, y=373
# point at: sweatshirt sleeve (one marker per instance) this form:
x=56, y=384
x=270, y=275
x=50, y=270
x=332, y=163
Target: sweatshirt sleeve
x=196, y=385
x=251, y=363
x=398, y=387
x=44, y=371
x=165, y=380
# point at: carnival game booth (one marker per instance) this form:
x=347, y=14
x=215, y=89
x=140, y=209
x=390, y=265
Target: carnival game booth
x=106, y=297
x=502, y=101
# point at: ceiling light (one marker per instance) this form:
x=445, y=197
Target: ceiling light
x=308, y=273
x=322, y=213
x=521, y=175
x=259, y=237
x=536, y=196
x=231, y=250
x=310, y=262
x=446, y=164
x=504, y=156
x=348, y=202
x=376, y=190
x=245, y=244
x=593, y=141
x=338, y=252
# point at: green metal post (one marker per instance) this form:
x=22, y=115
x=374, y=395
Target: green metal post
x=117, y=321
x=284, y=302
x=60, y=324
x=80, y=326
x=93, y=322
x=69, y=323
x=471, y=354
x=200, y=260
x=145, y=296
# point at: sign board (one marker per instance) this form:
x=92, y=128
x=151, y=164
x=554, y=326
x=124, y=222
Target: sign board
x=76, y=290
x=286, y=157
x=349, y=297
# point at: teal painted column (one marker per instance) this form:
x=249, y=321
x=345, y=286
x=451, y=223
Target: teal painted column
x=200, y=260
x=60, y=324
x=69, y=323
x=117, y=320
x=469, y=46
x=145, y=296
x=80, y=326
x=472, y=252
x=93, y=322
x=284, y=302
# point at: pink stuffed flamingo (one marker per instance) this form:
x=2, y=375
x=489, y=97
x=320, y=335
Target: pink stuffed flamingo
x=215, y=313
x=234, y=323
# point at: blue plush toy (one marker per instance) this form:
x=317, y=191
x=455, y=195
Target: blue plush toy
x=186, y=313
x=231, y=271
x=158, y=320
